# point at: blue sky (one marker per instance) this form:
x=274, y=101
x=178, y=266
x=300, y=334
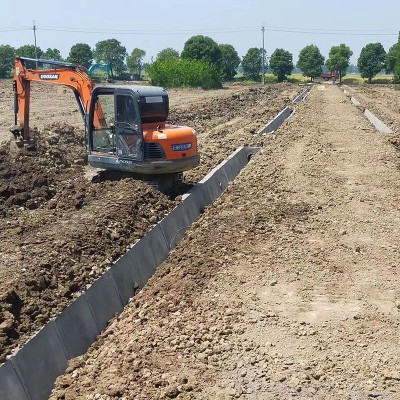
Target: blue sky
x=155, y=25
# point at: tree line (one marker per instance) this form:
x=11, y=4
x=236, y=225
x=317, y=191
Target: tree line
x=203, y=62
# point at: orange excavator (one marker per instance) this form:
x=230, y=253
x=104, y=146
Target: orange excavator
x=125, y=126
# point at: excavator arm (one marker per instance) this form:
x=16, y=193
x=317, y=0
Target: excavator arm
x=54, y=72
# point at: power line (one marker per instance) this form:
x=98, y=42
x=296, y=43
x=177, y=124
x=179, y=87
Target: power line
x=142, y=32
x=270, y=28
x=333, y=32
x=14, y=29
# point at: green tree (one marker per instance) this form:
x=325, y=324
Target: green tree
x=168, y=54
x=81, y=54
x=202, y=48
x=135, y=61
x=230, y=60
x=177, y=73
x=372, y=60
x=28, y=50
x=339, y=60
x=112, y=52
x=393, y=61
x=52, y=54
x=281, y=64
x=7, y=57
x=311, y=61
x=252, y=63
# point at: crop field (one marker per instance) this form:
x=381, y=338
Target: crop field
x=287, y=285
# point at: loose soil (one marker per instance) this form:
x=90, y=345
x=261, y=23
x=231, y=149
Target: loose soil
x=287, y=286
x=58, y=231
x=383, y=101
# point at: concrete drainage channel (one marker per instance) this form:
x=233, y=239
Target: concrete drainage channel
x=275, y=123
x=30, y=373
x=379, y=125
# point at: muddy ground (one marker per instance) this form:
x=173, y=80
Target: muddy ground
x=287, y=287
x=58, y=231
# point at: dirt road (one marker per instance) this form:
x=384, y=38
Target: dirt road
x=58, y=231
x=287, y=287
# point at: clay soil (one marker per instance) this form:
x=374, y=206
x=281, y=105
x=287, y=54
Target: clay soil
x=58, y=230
x=287, y=286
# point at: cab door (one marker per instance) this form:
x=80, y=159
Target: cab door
x=129, y=143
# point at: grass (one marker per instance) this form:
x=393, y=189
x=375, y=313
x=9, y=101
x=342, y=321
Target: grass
x=355, y=79
x=270, y=78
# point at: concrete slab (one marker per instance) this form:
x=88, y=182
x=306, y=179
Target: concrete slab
x=175, y=225
x=77, y=327
x=301, y=97
x=104, y=300
x=191, y=208
x=40, y=361
x=379, y=125
x=158, y=243
x=232, y=168
x=11, y=387
x=211, y=187
x=144, y=261
x=275, y=123
x=355, y=102
x=123, y=272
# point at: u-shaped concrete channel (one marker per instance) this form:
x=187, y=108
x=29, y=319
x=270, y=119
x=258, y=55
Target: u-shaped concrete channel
x=31, y=372
x=379, y=125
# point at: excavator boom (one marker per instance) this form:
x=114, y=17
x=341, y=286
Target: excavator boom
x=27, y=70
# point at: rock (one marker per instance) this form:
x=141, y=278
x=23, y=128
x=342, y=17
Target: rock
x=374, y=395
x=273, y=282
x=79, y=161
x=171, y=392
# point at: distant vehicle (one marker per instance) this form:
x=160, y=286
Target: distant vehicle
x=329, y=76
x=101, y=66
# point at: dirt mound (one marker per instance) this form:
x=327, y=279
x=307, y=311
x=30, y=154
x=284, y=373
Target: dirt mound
x=58, y=259
x=29, y=179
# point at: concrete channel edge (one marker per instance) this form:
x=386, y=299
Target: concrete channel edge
x=30, y=373
x=379, y=125
x=276, y=122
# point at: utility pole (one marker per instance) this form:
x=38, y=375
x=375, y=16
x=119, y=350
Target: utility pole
x=263, y=55
x=34, y=35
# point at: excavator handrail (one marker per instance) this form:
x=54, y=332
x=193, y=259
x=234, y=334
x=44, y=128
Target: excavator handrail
x=51, y=62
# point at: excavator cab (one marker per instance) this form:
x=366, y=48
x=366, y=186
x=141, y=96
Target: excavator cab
x=126, y=131
x=119, y=132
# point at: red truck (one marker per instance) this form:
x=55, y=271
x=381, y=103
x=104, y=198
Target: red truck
x=329, y=76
